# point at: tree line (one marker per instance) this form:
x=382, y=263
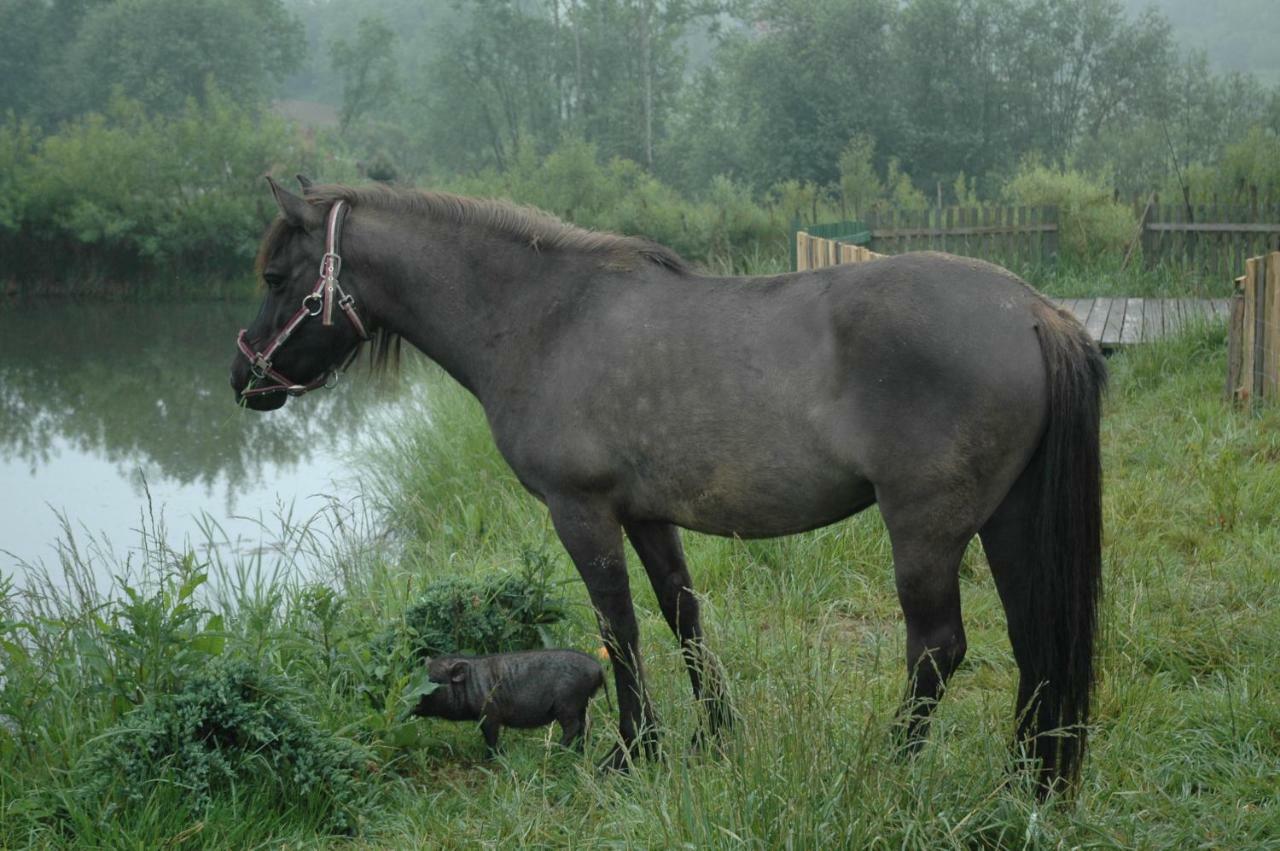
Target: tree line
x=709, y=123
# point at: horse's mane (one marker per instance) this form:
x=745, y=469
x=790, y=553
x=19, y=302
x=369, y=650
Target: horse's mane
x=538, y=229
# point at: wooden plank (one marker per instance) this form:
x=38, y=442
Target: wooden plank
x=1197, y=310
x=1259, y=358
x=1235, y=348
x=1131, y=325
x=1271, y=329
x=1175, y=319
x=1115, y=320
x=802, y=251
x=1153, y=320
x=1211, y=227
x=1097, y=318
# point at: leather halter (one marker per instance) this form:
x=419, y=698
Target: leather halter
x=318, y=302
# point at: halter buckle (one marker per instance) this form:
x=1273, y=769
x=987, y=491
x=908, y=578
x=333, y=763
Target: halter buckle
x=330, y=265
x=319, y=303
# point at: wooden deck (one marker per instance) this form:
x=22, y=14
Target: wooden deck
x=1115, y=322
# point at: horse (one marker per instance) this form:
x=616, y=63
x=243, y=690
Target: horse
x=630, y=393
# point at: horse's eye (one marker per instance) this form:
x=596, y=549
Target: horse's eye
x=274, y=282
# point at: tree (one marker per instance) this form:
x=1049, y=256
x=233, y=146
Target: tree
x=162, y=52
x=367, y=67
x=805, y=77
x=860, y=186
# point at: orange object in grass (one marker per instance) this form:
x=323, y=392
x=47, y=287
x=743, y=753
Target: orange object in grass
x=603, y=653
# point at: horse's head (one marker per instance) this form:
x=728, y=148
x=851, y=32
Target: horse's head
x=308, y=325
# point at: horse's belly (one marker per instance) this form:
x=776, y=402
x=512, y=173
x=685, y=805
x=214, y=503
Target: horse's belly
x=746, y=504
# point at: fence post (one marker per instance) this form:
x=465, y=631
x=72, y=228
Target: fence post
x=1235, y=345
x=1260, y=329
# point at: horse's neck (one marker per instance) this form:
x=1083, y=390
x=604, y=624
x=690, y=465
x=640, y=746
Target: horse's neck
x=470, y=303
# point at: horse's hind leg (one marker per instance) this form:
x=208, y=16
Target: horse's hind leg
x=927, y=549
x=658, y=545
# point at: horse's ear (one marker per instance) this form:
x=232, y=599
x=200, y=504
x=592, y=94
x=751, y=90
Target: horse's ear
x=295, y=210
x=305, y=182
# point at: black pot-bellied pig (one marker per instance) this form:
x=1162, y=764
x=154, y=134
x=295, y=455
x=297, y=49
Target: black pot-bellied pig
x=523, y=689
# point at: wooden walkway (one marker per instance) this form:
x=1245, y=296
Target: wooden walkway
x=1117, y=322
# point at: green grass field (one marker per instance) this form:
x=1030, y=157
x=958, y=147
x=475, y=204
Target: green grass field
x=1185, y=751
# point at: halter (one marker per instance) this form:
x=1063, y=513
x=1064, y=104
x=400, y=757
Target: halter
x=318, y=302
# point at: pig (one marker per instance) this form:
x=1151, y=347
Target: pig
x=522, y=690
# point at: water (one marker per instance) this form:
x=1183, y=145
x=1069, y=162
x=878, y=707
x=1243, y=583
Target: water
x=111, y=411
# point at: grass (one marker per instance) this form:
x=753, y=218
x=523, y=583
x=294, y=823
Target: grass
x=1185, y=752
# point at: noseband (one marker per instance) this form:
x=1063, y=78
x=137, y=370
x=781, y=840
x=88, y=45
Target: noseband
x=318, y=302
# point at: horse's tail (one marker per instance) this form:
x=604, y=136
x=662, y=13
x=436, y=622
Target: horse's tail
x=1066, y=579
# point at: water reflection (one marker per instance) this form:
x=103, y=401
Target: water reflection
x=95, y=399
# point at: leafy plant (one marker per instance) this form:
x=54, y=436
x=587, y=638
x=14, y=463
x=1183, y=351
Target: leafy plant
x=491, y=614
x=230, y=726
x=156, y=638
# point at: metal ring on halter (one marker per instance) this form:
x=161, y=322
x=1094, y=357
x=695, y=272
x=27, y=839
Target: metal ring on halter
x=319, y=299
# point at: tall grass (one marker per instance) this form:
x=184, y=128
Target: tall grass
x=1185, y=751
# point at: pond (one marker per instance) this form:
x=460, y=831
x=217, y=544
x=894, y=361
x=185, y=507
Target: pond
x=110, y=413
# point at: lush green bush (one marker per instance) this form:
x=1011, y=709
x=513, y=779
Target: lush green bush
x=127, y=194
x=1091, y=225
x=228, y=724
x=620, y=196
x=492, y=613
x=1249, y=165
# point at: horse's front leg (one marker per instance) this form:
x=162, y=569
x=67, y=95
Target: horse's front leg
x=658, y=545
x=592, y=535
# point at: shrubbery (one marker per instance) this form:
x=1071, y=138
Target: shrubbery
x=228, y=724
x=492, y=613
x=620, y=196
x=128, y=195
x=1091, y=224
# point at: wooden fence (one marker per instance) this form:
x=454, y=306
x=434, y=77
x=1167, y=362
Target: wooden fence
x=1210, y=239
x=814, y=252
x=1214, y=239
x=1009, y=235
x=1253, y=348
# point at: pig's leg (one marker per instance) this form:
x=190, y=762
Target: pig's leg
x=573, y=720
x=591, y=533
x=658, y=545
x=490, y=728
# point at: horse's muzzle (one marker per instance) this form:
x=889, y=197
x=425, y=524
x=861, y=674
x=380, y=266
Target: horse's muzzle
x=260, y=402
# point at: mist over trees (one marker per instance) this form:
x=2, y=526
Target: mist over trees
x=652, y=114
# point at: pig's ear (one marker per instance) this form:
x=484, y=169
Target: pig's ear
x=459, y=671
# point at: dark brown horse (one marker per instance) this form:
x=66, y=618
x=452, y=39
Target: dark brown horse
x=629, y=393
